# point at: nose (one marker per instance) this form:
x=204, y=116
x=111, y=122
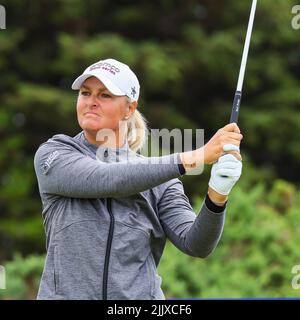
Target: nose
x=93, y=101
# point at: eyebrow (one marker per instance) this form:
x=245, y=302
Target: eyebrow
x=88, y=88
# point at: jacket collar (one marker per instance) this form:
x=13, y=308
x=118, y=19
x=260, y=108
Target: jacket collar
x=108, y=154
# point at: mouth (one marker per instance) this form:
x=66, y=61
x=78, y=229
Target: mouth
x=91, y=114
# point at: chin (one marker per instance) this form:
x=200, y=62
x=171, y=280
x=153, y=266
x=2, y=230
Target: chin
x=90, y=126
x=92, y=129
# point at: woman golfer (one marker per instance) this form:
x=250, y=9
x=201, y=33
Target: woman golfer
x=108, y=210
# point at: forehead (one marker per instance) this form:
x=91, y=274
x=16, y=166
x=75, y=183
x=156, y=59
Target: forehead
x=93, y=83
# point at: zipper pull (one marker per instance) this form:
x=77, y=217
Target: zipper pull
x=105, y=153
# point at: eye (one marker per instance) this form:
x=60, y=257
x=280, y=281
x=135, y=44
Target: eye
x=84, y=93
x=105, y=95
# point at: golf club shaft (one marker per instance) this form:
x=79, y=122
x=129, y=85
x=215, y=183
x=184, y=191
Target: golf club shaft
x=239, y=89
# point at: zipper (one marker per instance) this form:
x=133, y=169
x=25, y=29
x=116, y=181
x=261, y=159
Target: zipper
x=108, y=249
x=109, y=243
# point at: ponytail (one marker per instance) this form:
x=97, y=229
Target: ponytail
x=137, y=131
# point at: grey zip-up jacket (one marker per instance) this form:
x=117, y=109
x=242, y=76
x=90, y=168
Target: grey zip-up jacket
x=107, y=214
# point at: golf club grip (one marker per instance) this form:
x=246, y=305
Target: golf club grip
x=236, y=107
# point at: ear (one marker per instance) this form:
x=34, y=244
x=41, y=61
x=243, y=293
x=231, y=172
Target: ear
x=131, y=107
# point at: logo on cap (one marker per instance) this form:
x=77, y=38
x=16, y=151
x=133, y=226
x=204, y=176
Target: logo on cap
x=105, y=66
x=133, y=92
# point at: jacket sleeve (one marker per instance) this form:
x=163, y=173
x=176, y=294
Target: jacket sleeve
x=194, y=235
x=67, y=172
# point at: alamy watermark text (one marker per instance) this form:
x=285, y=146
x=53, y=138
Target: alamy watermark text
x=296, y=19
x=2, y=17
x=2, y=277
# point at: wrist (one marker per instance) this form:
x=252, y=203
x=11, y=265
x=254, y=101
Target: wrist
x=216, y=208
x=192, y=159
x=217, y=198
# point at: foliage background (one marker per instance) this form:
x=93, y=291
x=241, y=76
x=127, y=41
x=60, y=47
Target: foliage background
x=187, y=57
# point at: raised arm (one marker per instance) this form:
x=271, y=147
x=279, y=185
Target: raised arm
x=67, y=172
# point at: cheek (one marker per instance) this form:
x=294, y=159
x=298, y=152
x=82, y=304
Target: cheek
x=79, y=110
x=80, y=104
x=112, y=113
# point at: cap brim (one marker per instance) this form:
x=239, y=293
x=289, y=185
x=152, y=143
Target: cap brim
x=110, y=86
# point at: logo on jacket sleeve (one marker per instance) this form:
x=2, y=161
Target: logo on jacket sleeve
x=49, y=161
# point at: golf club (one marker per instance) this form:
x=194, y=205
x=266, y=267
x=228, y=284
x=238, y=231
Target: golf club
x=238, y=93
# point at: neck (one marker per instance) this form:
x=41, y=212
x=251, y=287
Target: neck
x=107, y=138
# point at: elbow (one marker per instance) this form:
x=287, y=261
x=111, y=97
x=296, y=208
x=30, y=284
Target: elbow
x=202, y=248
x=200, y=251
x=202, y=254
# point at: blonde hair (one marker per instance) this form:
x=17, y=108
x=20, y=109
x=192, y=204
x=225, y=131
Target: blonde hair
x=137, y=131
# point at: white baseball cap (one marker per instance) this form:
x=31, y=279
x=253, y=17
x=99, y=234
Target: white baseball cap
x=116, y=76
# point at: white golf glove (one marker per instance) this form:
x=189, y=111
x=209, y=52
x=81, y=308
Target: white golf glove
x=225, y=173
